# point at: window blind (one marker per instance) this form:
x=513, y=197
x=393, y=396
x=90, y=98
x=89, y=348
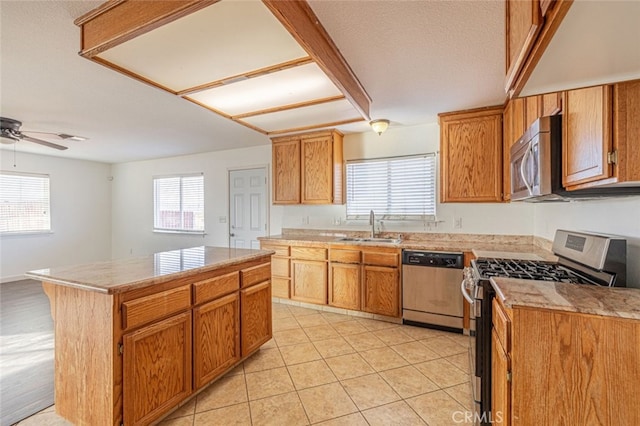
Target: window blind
x=179, y=203
x=394, y=188
x=24, y=202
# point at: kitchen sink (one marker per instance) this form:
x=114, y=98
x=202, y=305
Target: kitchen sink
x=371, y=240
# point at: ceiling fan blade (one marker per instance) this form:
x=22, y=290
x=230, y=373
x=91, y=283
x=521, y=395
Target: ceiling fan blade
x=60, y=136
x=41, y=142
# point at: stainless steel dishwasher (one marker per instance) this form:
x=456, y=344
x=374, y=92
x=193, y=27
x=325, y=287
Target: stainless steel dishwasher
x=431, y=289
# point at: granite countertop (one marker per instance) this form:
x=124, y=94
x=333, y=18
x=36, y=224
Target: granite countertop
x=481, y=245
x=585, y=299
x=121, y=275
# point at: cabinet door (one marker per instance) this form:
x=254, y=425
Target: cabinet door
x=317, y=170
x=309, y=281
x=216, y=338
x=500, y=383
x=157, y=369
x=523, y=22
x=286, y=172
x=626, y=129
x=344, y=285
x=255, y=312
x=471, y=157
x=533, y=110
x=513, y=128
x=381, y=290
x=586, y=135
x=551, y=104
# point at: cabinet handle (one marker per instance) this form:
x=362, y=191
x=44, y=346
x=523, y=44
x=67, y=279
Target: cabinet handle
x=508, y=376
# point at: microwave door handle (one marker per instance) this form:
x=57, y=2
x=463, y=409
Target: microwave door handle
x=522, y=172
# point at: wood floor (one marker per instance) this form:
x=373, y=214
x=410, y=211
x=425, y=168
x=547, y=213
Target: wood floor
x=26, y=351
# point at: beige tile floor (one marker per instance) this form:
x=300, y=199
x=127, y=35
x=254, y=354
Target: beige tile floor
x=332, y=369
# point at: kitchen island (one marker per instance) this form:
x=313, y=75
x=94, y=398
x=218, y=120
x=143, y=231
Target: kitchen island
x=565, y=353
x=136, y=338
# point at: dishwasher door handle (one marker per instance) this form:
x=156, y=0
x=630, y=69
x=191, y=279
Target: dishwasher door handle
x=463, y=290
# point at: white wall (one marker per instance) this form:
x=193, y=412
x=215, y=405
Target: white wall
x=132, y=198
x=620, y=216
x=80, y=216
x=477, y=218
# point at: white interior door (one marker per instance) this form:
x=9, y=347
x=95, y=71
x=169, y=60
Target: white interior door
x=248, y=207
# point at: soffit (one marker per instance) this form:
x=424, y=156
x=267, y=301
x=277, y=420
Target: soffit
x=237, y=59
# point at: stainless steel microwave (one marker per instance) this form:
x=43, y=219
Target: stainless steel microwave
x=536, y=169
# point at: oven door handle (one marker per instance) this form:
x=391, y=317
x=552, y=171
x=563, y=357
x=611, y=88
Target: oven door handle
x=463, y=290
x=522, y=164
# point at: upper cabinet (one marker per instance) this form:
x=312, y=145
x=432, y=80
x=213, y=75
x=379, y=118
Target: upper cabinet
x=586, y=138
x=529, y=27
x=523, y=22
x=471, y=155
x=308, y=168
x=600, y=133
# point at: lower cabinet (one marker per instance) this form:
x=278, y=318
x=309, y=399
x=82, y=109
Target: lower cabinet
x=500, y=383
x=255, y=312
x=216, y=328
x=157, y=369
x=309, y=281
x=381, y=290
x=344, y=285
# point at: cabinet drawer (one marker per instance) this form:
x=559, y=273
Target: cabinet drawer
x=502, y=325
x=309, y=253
x=212, y=288
x=279, y=267
x=345, y=256
x=255, y=274
x=380, y=259
x=280, y=250
x=156, y=306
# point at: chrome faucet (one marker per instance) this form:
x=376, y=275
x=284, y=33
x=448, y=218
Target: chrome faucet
x=372, y=222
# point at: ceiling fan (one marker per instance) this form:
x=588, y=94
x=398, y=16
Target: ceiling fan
x=10, y=133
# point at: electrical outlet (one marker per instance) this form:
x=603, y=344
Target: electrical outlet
x=457, y=222
x=337, y=220
x=222, y=219
x=305, y=220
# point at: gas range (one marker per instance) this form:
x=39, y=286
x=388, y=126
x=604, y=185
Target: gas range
x=583, y=258
x=528, y=270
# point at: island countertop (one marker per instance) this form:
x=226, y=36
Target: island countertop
x=559, y=296
x=122, y=275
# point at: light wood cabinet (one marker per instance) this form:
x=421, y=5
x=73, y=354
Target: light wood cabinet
x=216, y=328
x=344, y=285
x=513, y=128
x=549, y=365
x=529, y=27
x=131, y=356
x=286, y=172
x=157, y=369
x=280, y=269
x=600, y=134
x=551, y=104
x=255, y=320
x=523, y=23
x=471, y=156
x=500, y=383
x=586, y=135
x=309, y=281
x=308, y=168
x=533, y=110
x=381, y=292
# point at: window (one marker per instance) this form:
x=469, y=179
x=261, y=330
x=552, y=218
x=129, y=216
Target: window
x=24, y=202
x=397, y=188
x=179, y=203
